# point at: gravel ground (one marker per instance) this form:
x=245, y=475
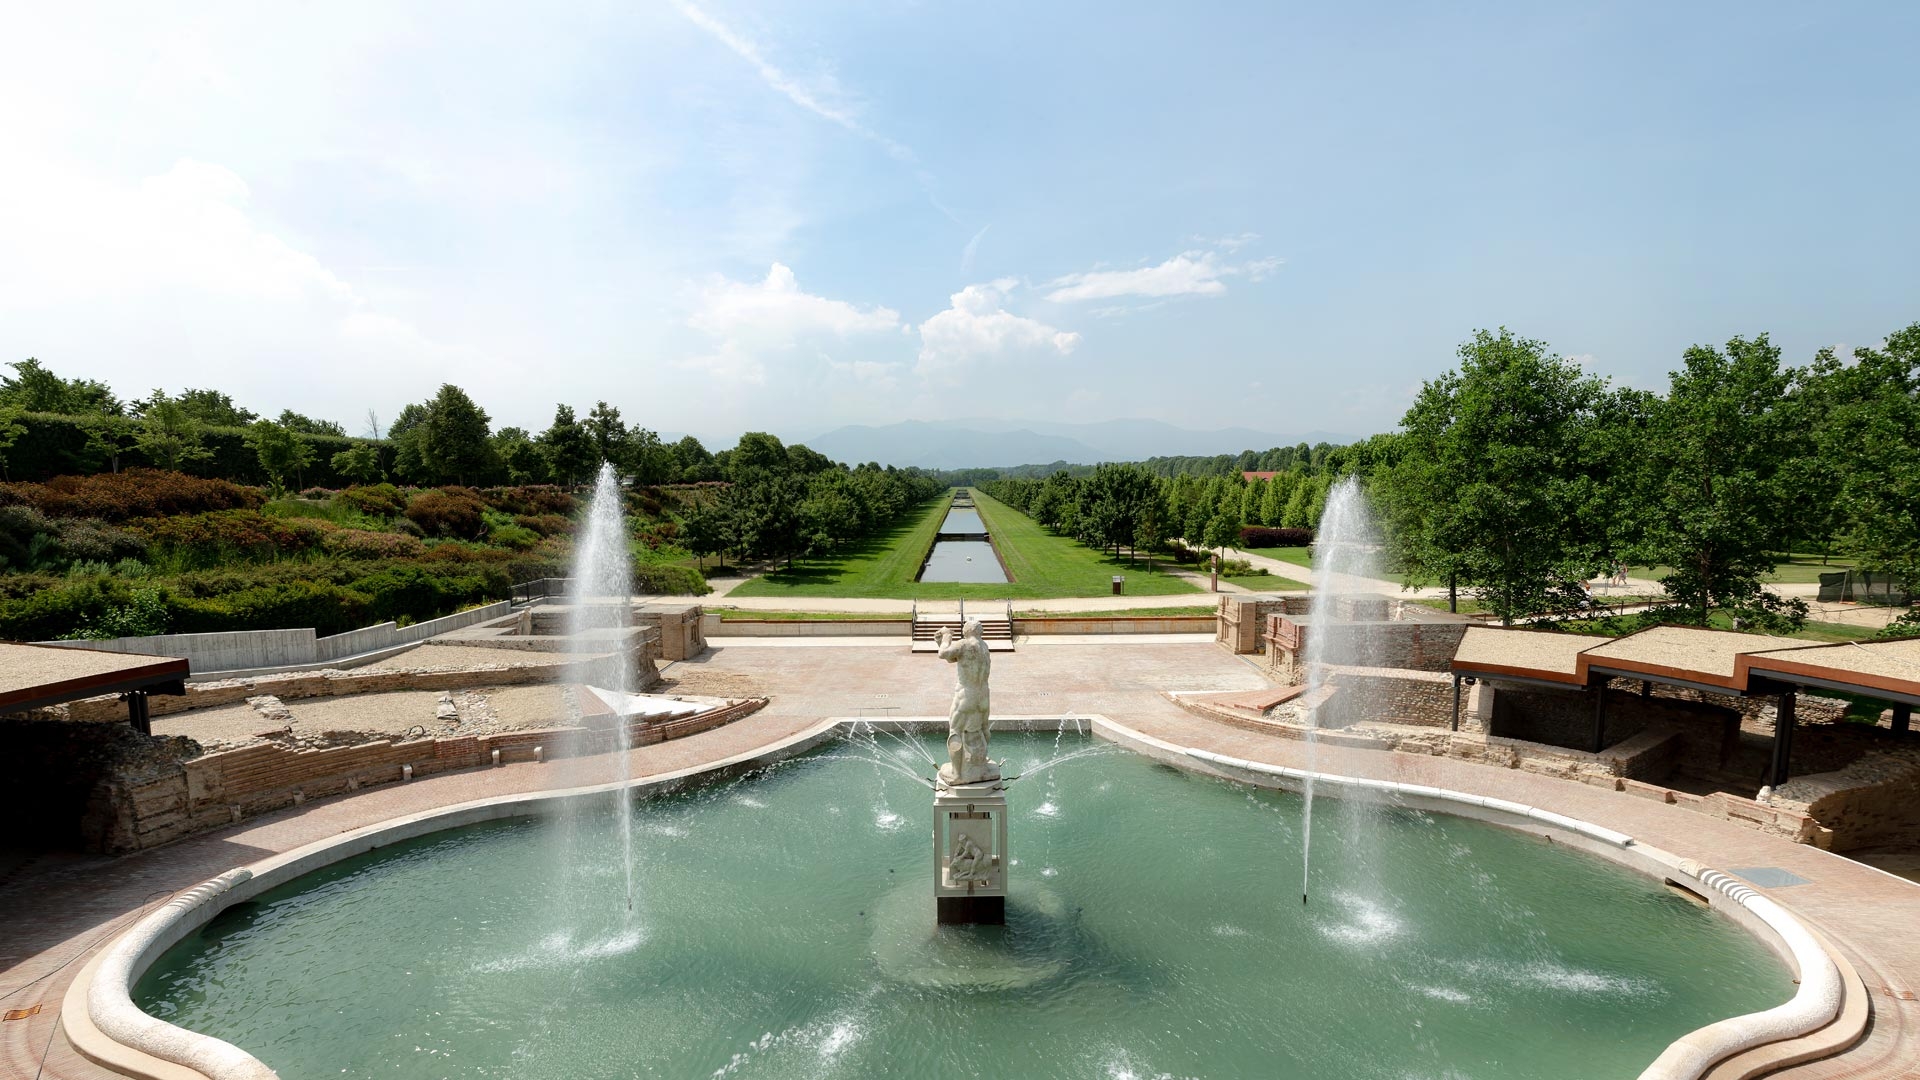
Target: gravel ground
x=358, y=718
x=221, y=727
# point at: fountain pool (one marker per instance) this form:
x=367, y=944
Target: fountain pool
x=783, y=927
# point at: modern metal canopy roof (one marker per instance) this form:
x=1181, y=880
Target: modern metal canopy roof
x=1718, y=661
x=35, y=676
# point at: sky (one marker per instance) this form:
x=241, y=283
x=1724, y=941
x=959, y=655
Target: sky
x=746, y=215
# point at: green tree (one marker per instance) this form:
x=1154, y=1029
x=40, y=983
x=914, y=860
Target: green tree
x=569, y=448
x=608, y=432
x=359, y=462
x=283, y=454
x=648, y=461
x=691, y=461
x=706, y=530
x=1492, y=477
x=33, y=388
x=108, y=437
x=211, y=408
x=1870, y=441
x=1714, y=501
x=10, y=431
x=454, y=438
x=168, y=436
x=520, y=457
x=1273, y=499
x=407, y=434
x=307, y=425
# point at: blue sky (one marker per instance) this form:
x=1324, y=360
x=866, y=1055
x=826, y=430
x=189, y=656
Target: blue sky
x=723, y=216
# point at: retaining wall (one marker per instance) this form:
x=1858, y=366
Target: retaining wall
x=249, y=650
x=291, y=687
x=131, y=812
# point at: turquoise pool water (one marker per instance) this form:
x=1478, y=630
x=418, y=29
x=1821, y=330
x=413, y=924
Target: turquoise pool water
x=784, y=929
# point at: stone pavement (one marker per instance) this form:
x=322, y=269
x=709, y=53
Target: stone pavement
x=60, y=914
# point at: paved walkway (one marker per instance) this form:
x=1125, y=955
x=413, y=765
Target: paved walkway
x=59, y=916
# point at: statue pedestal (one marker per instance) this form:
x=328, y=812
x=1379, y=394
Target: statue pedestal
x=970, y=853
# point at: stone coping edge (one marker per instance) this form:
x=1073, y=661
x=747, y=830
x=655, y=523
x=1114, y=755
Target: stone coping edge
x=103, y=1024
x=116, y=1034
x=1815, y=1004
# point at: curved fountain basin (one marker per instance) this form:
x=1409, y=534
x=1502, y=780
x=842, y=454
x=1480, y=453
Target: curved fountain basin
x=772, y=941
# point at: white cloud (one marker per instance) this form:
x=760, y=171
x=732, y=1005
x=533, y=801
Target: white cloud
x=776, y=312
x=1227, y=244
x=973, y=246
x=870, y=373
x=174, y=280
x=818, y=96
x=1192, y=273
x=977, y=326
x=753, y=320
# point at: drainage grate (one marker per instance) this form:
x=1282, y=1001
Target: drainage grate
x=1769, y=877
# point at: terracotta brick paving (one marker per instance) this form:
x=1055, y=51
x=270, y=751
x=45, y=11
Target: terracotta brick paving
x=54, y=919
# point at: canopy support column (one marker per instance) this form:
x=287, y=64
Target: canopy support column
x=1782, y=739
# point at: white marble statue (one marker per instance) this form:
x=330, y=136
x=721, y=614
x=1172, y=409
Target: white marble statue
x=968, y=723
x=968, y=863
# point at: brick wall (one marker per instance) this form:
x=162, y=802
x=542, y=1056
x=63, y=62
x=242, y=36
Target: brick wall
x=1243, y=619
x=133, y=809
x=1873, y=801
x=1396, y=698
x=1416, y=646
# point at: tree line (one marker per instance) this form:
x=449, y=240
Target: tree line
x=1517, y=476
x=771, y=500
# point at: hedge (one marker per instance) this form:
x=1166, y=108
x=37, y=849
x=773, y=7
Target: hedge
x=56, y=445
x=1259, y=536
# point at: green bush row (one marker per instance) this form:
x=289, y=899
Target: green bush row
x=332, y=596
x=57, y=445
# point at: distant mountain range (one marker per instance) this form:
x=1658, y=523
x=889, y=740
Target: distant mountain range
x=963, y=444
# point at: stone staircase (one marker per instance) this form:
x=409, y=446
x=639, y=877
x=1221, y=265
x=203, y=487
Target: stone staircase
x=995, y=628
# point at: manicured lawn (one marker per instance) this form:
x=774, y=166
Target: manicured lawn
x=1122, y=613
x=732, y=614
x=1044, y=566
x=878, y=567
x=1796, y=569
x=1298, y=556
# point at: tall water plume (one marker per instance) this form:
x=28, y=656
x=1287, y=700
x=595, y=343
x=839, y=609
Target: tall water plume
x=1345, y=548
x=599, y=619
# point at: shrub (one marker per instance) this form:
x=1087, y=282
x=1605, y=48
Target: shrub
x=135, y=493
x=413, y=591
x=28, y=539
x=377, y=500
x=211, y=538
x=370, y=544
x=544, y=524
x=1260, y=536
x=669, y=579
x=455, y=512
x=99, y=542
x=144, y=614
x=55, y=608
x=328, y=608
x=531, y=499
x=513, y=536
x=1181, y=553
